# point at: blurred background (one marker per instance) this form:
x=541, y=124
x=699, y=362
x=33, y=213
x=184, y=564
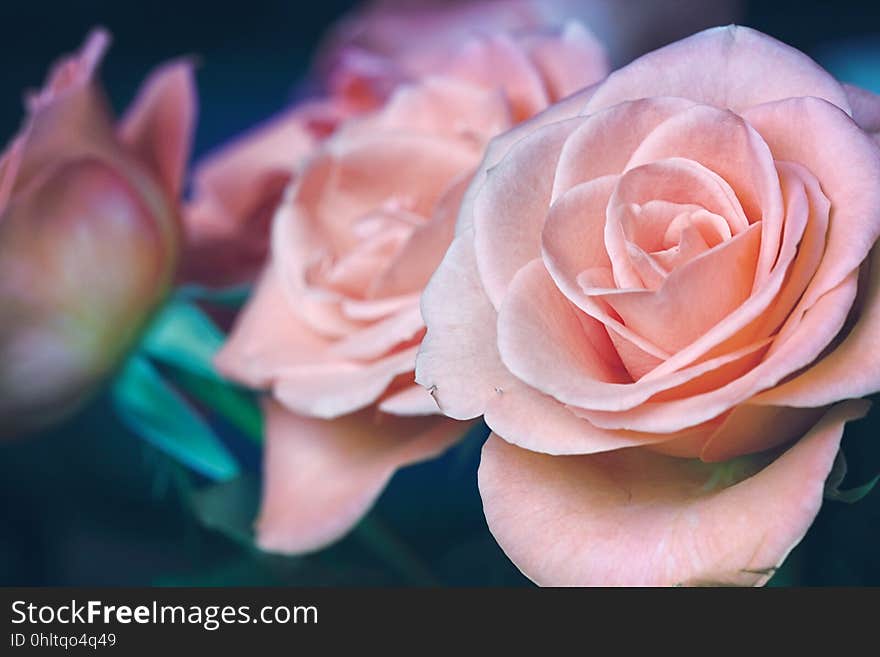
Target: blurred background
x=88, y=503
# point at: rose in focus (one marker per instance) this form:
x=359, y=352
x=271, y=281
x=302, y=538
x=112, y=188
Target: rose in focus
x=334, y=325
x=658, y=292
x=89, y=232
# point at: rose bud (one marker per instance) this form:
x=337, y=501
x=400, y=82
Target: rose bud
x=664, y=299
x=89, y=232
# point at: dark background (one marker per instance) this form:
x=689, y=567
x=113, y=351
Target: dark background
x=90, y=504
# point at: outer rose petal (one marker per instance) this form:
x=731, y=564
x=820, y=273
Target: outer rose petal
x=236, y=191
x=159, y=125
x=322, y=476
x=509, y=213
x=728, y=67
x=268, y=337
x=635, y=518
x=499, y=147
x=866, y=109
x=846, y=163
x=850, y=370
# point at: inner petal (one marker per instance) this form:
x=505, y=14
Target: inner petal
x=654, y=204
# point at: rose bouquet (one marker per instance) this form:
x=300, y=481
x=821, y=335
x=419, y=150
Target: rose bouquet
x=652, y=284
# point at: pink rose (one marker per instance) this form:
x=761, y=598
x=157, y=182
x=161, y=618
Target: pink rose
x=334, y=325
x=650, y=296
x=237, y=189
x=89, y=232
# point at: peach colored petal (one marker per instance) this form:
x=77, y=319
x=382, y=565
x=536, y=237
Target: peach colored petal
x=366, y=172
x=496, y=61
x=412, y=400
x=511, y=207
x=804, y=336
x=380, y=337
x=823, y=139
x=574, y=347
x=72, y=72
x=694, y=297
x=498, y=148
x=160, y=124
x=444, y=107
x=852, y=369
x=803, y=198
x=725, y=144
x=567, y=61
x=573, y=237
x=635, y=518
x=457, y=360
x=577, y=364
x=412, y=267
x=866, y=109
x=459, y=364
x=724, y=66
x=241, y=174
x=267, y=337
x=605, y=141
x=334, y=388
x=744, y=325
x=321, y=477
x=372, y=309
x=750, y=428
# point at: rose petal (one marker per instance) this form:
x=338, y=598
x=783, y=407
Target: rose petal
x=314, y=389
x=459, y=364
x=511, y=207
x=852, y=369
x=499, y=147
x=412, y=400
x=321, y=477
x=568, y=61
x=605, y=141
x=866, y=109
x=267, y=337
x=634, y=518
x=806, y=333
x=160, y=124
x=724, y=66
x=823, y=139
x=750, y=428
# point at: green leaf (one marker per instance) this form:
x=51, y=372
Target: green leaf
x=184, y=337
x=161, y=416
x=835, y=478
x=237, y=406
x=852, y=495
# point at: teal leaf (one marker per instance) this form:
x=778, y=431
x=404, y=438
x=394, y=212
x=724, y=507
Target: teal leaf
x=851, y=495
x=239, y=407
x=184, y=337
x=835, y=478
x=231, y=297
x=157, y=413
x=229, y=507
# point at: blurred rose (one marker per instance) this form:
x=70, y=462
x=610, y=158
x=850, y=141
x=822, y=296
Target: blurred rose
x=237, y=189
x=334, y=325
x=418, y=33
x=663, y=266
x=89, y=232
